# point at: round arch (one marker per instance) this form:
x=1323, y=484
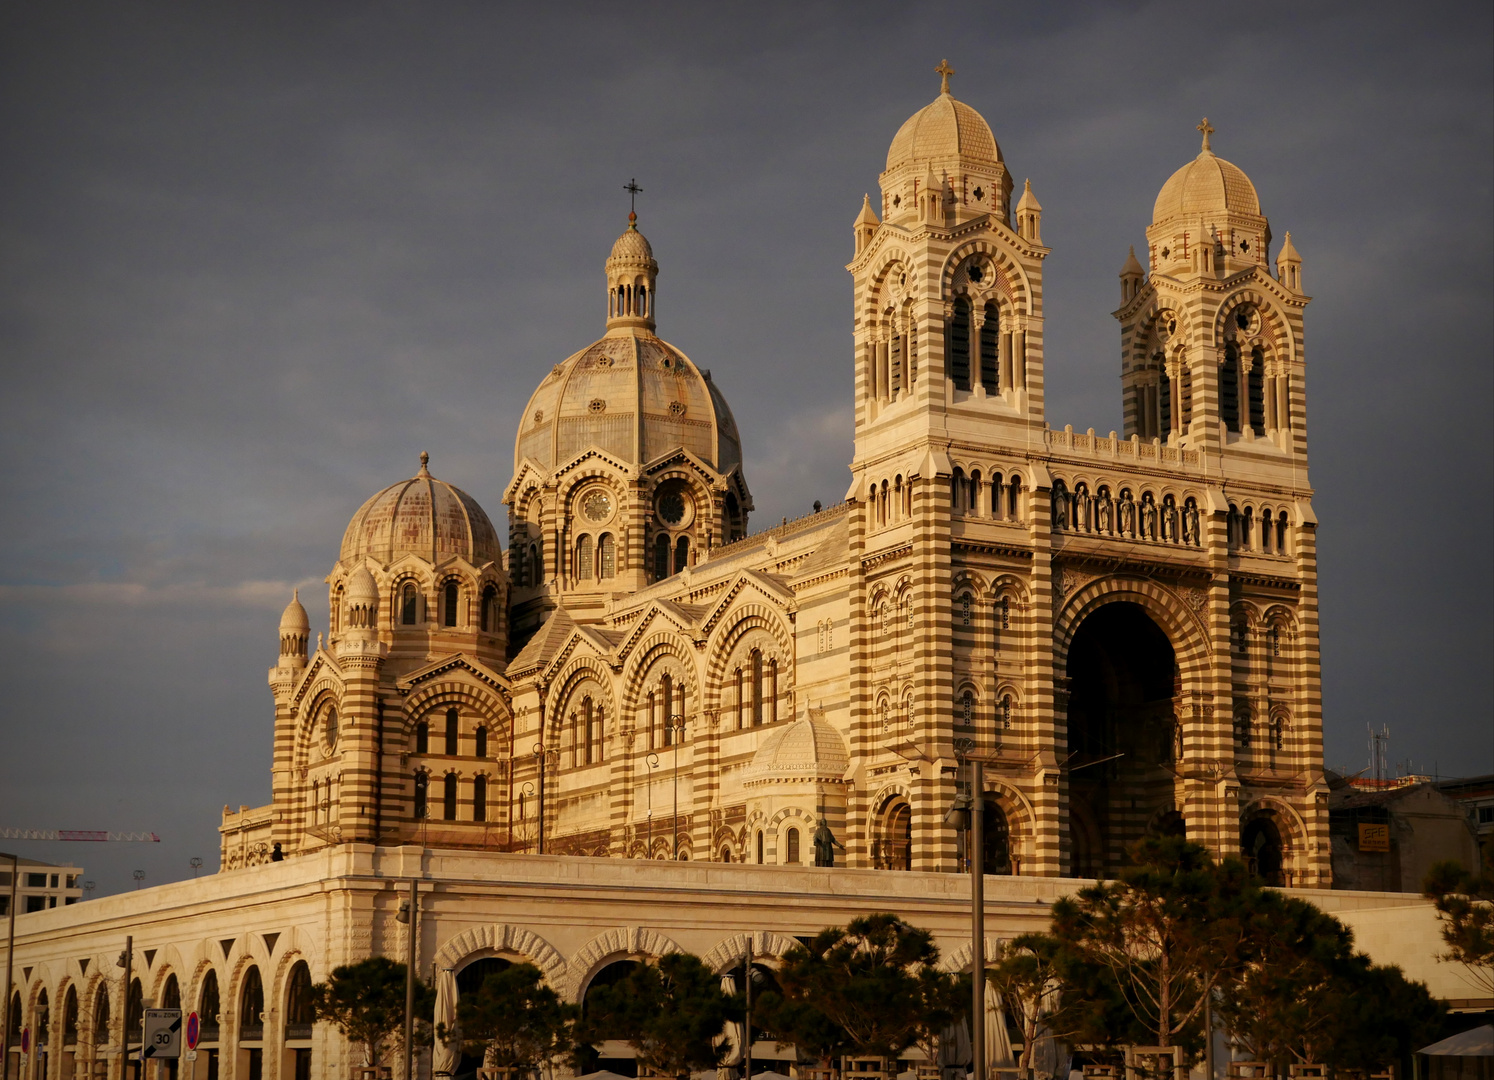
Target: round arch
x=498, y=938
x=623, y=943
x=1183, y=625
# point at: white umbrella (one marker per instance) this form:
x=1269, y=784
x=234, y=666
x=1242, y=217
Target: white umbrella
x=998, y=1044
x=954, y=1046
x=444, y=1059
x=733, y=1030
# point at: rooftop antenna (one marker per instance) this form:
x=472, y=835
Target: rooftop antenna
x=1378, y=744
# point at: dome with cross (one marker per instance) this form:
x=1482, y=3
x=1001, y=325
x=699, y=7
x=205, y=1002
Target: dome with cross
x=1207, y=184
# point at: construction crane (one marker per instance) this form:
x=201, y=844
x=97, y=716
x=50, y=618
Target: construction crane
x=78, y=834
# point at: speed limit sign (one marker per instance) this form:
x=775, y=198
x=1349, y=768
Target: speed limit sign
x=163, y=1033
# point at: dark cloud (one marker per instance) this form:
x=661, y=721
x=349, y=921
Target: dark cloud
x=254, y=258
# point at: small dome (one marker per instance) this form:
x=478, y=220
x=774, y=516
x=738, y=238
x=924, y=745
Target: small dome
x=362, y=589
x=632, y=245
x=421, y=516
x=809, y=750
x=294, y=620
x=1206, y=184
x=941, y=130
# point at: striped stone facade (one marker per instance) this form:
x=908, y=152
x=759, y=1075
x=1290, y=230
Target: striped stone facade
x=1122, y=626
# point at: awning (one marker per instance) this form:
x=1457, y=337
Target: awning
x=1479, y=1042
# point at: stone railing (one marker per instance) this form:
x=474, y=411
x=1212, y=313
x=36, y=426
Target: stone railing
x=787, y=527
x=1117, y=449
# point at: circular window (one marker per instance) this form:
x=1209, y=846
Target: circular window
x=676, y=408
x=596, y=504
x=1248, y=320
x=597, y=405
x=329, y=726
x=674, y=505
x=976, y=273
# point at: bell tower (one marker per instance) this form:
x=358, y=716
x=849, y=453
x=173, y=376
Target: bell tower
x=948, y=340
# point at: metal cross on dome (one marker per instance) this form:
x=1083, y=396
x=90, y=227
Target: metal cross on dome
x=633, y=190
x=1207, y=131
x=944, y=71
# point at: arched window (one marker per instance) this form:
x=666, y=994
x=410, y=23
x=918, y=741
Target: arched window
x=1164, y=403
x=1006, y=712
x=725, y=854
x=42, y=1018
x=598, y=730
x=759, y=853
x=741, y=699
x=422, y=738
x=959, y=344
x=1013, y=494
x=70, y=1016
x=480, y=798
x=607, y=556
x=773, y=690
x=965, y=609
x=1255, y=383
x=651, y=721
x=102, y=1036
x=661, y=557
x=1268, y=534
x=449, y=797
x=488, y=612
x=681, y=553
x=757, y=687
x=1229, y=389
x=409, y=604
x=209, y=1010
x=422, y=803
x=583, y=558
x=666, y=699
x=957, y=490
x=791, y=846
x=990, y=367
x=584, y=720
x=1281, y=534
x=536, y=568
x=967, y=709
x=972, y=492
x=480, y=737
x=251, y=1008
x=449, y=604
x=300, y=1012
x=1247, y=529
x=453, y=732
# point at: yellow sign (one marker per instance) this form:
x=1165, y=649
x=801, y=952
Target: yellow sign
x=1374, y=837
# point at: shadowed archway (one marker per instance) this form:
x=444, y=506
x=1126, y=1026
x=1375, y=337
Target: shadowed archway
x=1122, y=733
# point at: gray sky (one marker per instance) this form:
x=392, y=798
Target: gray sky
x=255, y=257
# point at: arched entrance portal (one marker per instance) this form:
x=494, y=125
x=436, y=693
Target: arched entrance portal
x=1260, y=843
x=1122, y=732
x=615, y=1057
x=469, y=981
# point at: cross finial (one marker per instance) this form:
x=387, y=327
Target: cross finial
x=633, y=190
x=944, y=71
x=1207, y=131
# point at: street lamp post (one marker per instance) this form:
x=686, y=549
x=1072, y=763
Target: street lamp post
x=527, y=792
x=653, y=763
x=677, y=735
x=541, y=754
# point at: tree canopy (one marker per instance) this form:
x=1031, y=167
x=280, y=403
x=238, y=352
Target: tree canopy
x=366, y=1002
x=672, y=1012
x=871, y=987
x=1465, y=906
x=515, y=1021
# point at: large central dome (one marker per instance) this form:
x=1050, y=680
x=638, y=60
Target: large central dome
x=631, y=393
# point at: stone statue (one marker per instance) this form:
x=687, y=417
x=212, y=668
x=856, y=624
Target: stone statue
x=1103, y=513
x=1127, y=516
x=825, y=845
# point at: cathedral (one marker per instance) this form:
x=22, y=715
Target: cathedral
x=639, y=726
x=1122, y=626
